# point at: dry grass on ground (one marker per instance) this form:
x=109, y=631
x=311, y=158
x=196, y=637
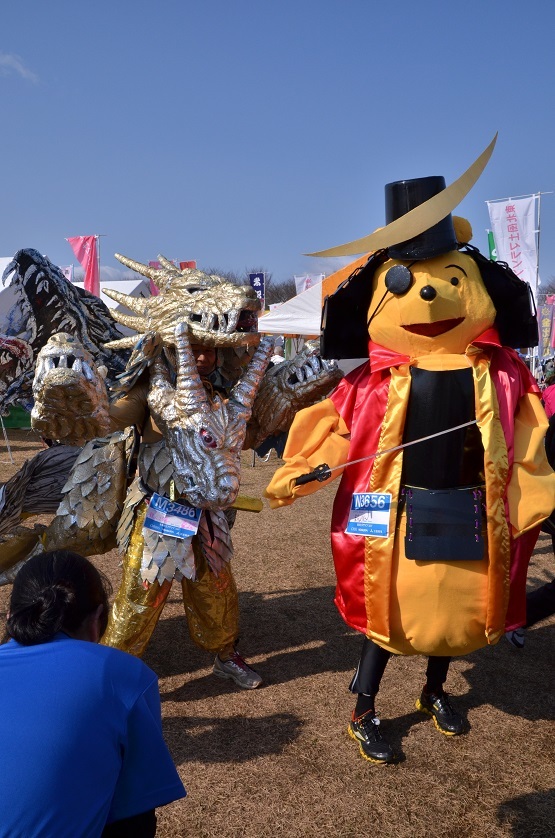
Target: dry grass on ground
x=277, y=761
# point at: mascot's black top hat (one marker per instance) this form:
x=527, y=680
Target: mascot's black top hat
x=420, y=226
x=405, y=195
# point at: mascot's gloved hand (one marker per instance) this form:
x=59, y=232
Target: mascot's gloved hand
x=281, y=490
x=318, y=435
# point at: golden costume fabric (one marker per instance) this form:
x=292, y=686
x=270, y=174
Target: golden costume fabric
x=210, y=601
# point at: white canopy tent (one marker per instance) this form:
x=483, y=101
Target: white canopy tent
x=301, y=315
x=298, y=316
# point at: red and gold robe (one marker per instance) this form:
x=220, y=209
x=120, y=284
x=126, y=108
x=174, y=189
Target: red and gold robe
x=433, y=608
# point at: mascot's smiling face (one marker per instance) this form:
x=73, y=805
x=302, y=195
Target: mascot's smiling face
x=444, y=307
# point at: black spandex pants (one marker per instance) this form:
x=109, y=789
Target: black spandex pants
x=372, y=664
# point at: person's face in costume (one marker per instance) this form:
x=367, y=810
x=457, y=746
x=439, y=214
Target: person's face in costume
x=445, y=307
x=205, y=357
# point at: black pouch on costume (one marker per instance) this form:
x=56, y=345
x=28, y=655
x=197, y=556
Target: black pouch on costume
x=443, y=524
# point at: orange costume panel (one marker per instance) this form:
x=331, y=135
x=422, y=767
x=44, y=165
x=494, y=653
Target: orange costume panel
x=421, y=607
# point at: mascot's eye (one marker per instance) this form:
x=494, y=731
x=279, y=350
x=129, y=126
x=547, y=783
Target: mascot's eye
x=208, y=439
x=454, y=280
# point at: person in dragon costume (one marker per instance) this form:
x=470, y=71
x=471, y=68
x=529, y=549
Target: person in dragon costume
x=431, y=541
x=192, y=421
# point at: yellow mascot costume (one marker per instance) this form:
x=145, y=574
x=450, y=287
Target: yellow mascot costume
x=439, y=441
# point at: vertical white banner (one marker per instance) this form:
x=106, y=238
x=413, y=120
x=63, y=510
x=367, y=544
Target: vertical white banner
x=513, y=223
x=303, y=283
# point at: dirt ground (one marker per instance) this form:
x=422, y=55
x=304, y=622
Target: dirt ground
x=278, y=761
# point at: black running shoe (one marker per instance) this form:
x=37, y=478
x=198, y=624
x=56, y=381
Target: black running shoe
x=366, y=731
x=446, y=718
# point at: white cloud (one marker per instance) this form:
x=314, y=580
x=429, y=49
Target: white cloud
x=10, y=62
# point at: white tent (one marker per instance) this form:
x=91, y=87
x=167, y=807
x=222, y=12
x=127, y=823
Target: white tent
x=300, y=315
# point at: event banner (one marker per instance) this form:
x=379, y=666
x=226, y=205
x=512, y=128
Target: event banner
x=258, y=282
x=153, y=287
x=84, y=248
x=513, y=223
x=491, y=246
x=545, y=320
x=303, y=283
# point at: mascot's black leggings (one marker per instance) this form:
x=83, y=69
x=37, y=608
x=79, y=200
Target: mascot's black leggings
x=372, y=664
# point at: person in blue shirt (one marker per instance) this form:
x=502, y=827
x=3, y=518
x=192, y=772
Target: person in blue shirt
x=80, y=725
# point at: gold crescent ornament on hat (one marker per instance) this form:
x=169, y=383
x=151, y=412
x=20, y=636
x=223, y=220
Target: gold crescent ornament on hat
x=421, y=218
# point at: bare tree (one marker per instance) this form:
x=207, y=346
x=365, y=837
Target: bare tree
x=280, y=292
x=546, y=289
x=275, y=292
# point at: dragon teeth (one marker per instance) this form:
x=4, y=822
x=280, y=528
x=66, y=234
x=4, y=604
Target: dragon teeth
x=87, y=371
x=233, y=319
x=315, y=365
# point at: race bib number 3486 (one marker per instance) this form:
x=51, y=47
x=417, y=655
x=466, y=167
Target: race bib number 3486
x=170, y=518
x=369, y=514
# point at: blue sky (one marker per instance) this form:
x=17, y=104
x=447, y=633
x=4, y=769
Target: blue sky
x=245, y=134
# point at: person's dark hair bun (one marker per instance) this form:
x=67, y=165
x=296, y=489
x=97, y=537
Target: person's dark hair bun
x=43, y=617
x=54, y=592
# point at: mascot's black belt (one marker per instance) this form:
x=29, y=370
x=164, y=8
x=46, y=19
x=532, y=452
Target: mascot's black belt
x=443, y=524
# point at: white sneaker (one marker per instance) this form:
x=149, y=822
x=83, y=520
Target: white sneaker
x=237, y=670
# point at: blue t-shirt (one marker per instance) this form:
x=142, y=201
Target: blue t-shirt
x=81, y=741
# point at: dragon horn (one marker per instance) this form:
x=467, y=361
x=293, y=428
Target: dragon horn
x=123, y=343
x=166, y=264
x=135, y=304
x=145, y=270
x=139, y=324
x=190, y=393
x=244, y=392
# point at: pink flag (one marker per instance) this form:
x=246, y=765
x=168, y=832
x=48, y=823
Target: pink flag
x=84, y=248
x=154, y=288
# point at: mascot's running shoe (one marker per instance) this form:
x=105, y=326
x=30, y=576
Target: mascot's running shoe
x=446, y=719
x=366, y=731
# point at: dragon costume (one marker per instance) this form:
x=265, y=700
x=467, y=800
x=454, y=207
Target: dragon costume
x=190, y=437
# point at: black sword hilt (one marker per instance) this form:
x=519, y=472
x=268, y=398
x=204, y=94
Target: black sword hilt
x=320, y=473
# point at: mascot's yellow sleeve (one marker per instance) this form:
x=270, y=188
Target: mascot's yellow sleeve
x=531, y=489
x=318, y=435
